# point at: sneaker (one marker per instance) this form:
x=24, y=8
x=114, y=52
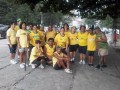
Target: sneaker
x=33, y=66
x=83, y=61
x=26, y=64
x=41, y=66
x=13, y=61
x=80, y=62
x=68, y=71
x=97, y=67
x=22, y=65
x=104, y=66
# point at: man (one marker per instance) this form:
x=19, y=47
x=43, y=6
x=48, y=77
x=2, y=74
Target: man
x=82, y=41
x=49, y=50
x=102, y=47
x=50, y=33
x=17, y=27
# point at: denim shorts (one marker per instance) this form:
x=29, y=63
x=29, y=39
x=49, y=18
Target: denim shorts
x=13, y=48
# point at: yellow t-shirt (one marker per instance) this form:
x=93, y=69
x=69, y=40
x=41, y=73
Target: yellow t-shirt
x=91, y=42
x=61, y=40
x=34, y=37
x=50, y=50
x=42, y=34
x=17, y=28
x=67, y=33
x=54, y=59
x=82, y=38
x=23, y=38
x=12, y=34
x=35, y=52
x=73, y=38
x=50, y=34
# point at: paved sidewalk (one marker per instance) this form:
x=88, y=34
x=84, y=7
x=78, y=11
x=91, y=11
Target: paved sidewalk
x=83, y=77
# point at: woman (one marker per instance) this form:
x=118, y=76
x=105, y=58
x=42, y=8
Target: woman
x=82, y=41
x=34, y=35
x=62, y=40
x=37, y=57
x=23, y=43
x=91, y=46
x=60, y=60
x=73, y=43
x=12, y=42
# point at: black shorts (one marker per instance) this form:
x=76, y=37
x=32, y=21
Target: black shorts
x=13, y=48
x=73, y=48
x=57, y=67
x=82, y=49
x=37, y=61
x=47, y=60
x=64, y=51
x=91, y=53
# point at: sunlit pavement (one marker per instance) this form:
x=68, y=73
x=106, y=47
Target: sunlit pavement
x=83, y=77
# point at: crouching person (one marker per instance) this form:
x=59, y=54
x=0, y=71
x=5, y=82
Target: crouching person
x=37, y=57
x=61, y=61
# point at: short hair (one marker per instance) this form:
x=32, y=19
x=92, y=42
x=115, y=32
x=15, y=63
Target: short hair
x=58, y=47
x=82, y=26
x=22, y=24
x=37, y=42
x=51, y=39
x=97, y=28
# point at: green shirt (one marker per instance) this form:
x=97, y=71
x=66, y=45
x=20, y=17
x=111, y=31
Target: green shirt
x=102, y=44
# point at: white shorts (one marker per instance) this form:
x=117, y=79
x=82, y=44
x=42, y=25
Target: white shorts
x=102, y=52
x=22, y=49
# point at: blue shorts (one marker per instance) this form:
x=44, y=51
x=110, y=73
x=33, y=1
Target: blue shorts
x=13, y=48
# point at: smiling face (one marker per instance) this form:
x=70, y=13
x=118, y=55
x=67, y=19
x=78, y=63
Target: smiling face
x=73, y=29
x=34, y=28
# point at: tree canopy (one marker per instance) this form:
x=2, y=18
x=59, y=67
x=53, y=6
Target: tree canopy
x=97, y=9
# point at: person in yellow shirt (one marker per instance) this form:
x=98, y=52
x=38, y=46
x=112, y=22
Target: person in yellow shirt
x=17, y=27
x=34, y=35
x=36, y=56
x=42, y=34
x=23, y=43
x=50, y=33
x=12, y=42
x=66, y=27
x=73, y=43
x=61, y=61
x=91, y=46
x=62, y=40
x=49, y=50
x=82, y=42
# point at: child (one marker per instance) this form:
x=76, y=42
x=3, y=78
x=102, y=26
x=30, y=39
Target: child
x=91, y=46
x=49, y=50
x=37, y=57
x=61, y=60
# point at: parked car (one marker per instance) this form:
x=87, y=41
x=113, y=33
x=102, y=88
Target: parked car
x=3, y=29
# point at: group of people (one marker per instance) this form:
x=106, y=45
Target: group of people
x=55, y=48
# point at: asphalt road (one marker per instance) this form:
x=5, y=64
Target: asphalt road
x=83, y=77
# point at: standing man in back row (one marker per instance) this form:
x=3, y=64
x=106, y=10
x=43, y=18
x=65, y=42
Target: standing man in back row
x=102, y=46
